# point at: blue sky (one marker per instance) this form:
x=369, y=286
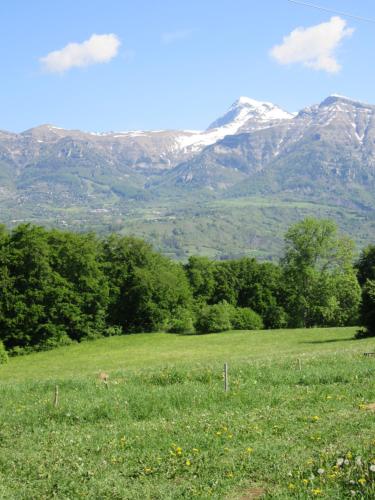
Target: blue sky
x=173, y=63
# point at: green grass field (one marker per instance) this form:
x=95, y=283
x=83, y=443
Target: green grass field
x=293, y=425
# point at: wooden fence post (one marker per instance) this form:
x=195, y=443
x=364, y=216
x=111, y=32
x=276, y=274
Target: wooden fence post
x=226, y=378
x=56, y=398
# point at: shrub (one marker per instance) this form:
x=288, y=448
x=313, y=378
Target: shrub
x=368, y=310
x=3, y=354
x=182, y=323
x=275, y=317
x=113, y=331
x=244, y=318
x=213, y=319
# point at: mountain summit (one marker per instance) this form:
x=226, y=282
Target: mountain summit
x=246, y=111
x=324, y=155
x=332, y=142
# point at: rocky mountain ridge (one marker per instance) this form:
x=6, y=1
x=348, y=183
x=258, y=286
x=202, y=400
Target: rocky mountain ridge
x=324, y=154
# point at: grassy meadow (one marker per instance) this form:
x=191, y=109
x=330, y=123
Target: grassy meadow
x=294, y=424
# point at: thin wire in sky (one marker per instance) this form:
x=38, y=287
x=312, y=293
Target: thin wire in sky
x=325, y=9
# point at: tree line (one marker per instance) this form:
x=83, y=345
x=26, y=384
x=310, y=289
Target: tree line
x=57, y=287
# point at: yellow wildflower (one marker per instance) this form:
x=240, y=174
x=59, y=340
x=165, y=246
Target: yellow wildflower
x=362, y=481
x=316, y=491
x=188, y=462
x=291, y=486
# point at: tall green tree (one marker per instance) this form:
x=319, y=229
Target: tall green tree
x=368, y=309
x=147, y=290
x=200, y=273
x=320, y=281
x=366, y=265
x=52, y=289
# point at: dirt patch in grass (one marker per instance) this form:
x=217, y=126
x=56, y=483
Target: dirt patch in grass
x=252, y=493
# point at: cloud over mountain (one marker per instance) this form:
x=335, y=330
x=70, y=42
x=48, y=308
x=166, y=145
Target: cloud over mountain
x=314, y=47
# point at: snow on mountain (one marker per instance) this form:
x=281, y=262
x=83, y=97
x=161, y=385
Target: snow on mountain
x=245, y=114
x=246, y=109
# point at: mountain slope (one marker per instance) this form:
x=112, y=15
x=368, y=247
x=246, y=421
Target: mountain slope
x=332, y=144
x=162, y=185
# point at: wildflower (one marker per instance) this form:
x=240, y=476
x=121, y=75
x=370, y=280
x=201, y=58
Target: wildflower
x=315, y=418
x=229, y=474
x=320, y=471
x=316, y=491
x=340, y=461
x=179, y=450
x=362, y=481
x=358, y=460
x=372, y=468
x=147, y=470
x=291, y=486
x=188, y=462
x=249, y=450
x=305, y=481
x=349, y=455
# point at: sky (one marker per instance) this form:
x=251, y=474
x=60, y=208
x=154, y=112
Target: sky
x=102, y=65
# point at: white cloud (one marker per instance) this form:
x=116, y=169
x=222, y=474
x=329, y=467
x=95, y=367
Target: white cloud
x=175, y=36
x=97, y=49
x=315, y=46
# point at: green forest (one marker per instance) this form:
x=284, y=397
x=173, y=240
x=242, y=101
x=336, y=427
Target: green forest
x=58, y=287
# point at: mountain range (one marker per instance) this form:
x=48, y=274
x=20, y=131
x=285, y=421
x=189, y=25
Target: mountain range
x=161, y=183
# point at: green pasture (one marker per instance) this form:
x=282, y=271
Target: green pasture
x=294, y=424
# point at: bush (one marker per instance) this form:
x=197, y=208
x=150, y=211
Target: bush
x=113, y=331
x=213, y=319
x=3, y=354
x=275, y=317
x=244, y=318
x=183, y=323
x=368, y=310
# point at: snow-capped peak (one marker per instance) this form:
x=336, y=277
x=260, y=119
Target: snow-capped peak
x=245, y=114
x=247, y=101
x=246, y=109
